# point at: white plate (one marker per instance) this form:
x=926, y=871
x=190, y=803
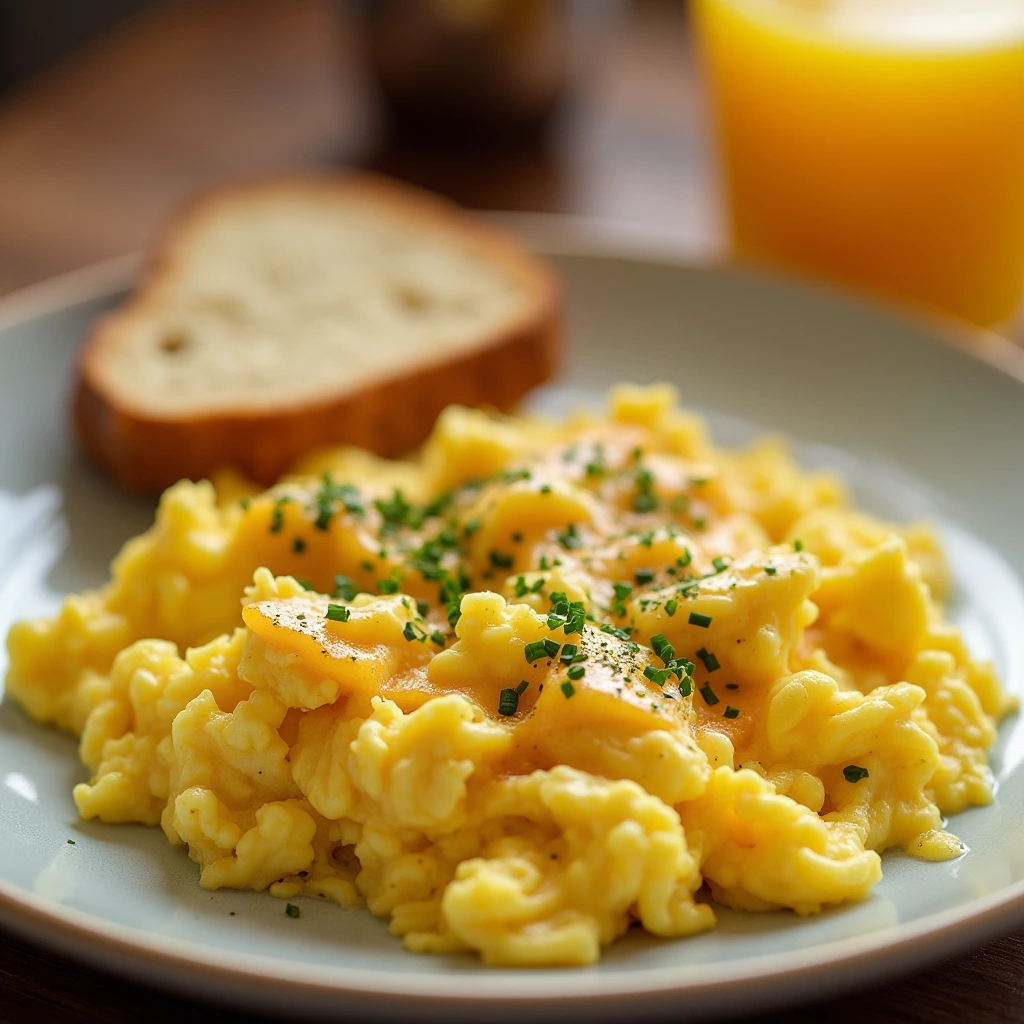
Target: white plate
x=918, y=427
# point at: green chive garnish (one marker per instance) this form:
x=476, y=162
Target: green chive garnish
x=338, y=612
x=501, y=560
x=508, y=701
x=708, y=694
x=644, y=576
x=662, y=648
x=731, y=712
x=570, y=538
x=576, y=671
x=658, y=676
x=685, y=686
x=619, y=634
x=699, y=619
x=770, y=570
x=854, y=773
x=710, y=661
x=670, y=606
x=546, y=648
x=454, y=613
x=291, y=910
x=798, y=545
x=568, y=689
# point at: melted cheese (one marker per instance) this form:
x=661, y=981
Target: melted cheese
x=542, y=682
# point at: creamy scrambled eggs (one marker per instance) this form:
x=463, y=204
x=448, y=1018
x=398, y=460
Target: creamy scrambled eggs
x=545, y=681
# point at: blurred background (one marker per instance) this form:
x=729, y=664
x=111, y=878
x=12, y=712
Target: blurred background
x=115, y=111
x=879, y=143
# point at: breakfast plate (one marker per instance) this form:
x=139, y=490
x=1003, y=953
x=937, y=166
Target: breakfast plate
x=918, y=428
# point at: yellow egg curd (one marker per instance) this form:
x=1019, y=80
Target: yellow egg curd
x=546, y=680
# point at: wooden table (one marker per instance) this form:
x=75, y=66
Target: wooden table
x=96, y=154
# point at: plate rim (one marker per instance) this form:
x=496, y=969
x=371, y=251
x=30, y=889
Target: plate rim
x=719, y=986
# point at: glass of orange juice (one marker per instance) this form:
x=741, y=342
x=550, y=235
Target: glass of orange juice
x=876, y=142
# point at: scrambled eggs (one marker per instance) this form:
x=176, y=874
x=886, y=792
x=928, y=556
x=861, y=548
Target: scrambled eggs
x=547, y=680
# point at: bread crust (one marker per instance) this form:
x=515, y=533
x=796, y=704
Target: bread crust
x=147, y=452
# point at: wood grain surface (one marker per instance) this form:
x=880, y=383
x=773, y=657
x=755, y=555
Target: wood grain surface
x=95, y=154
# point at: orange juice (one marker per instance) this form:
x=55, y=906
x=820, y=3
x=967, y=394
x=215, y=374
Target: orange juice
x=878, y=142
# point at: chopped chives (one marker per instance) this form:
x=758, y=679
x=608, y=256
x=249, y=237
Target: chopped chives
x=291, y=910
x=798, y=545
x=344, y=586
x=568, y=653
x=338, y=613
x=708, y=694
x=854, y=773
x=720, y=563
x=732, y=686
x=576, y=671
x=501, y=560
x=568, y=689
x=685, y=686
x=670, y=606
x=662, y=648
x=699, y=619
x=731, y=712
x=569, y=538
x=770, y=570
x=546, y=648
x=619, y=634
x=388, y=586
x=644, y=576
x=523, y=686
x=277, y=514
x=658, y=676
x=710, y=661
x=508, y=701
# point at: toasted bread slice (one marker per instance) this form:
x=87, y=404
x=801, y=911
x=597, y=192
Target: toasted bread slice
x=291, y=314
